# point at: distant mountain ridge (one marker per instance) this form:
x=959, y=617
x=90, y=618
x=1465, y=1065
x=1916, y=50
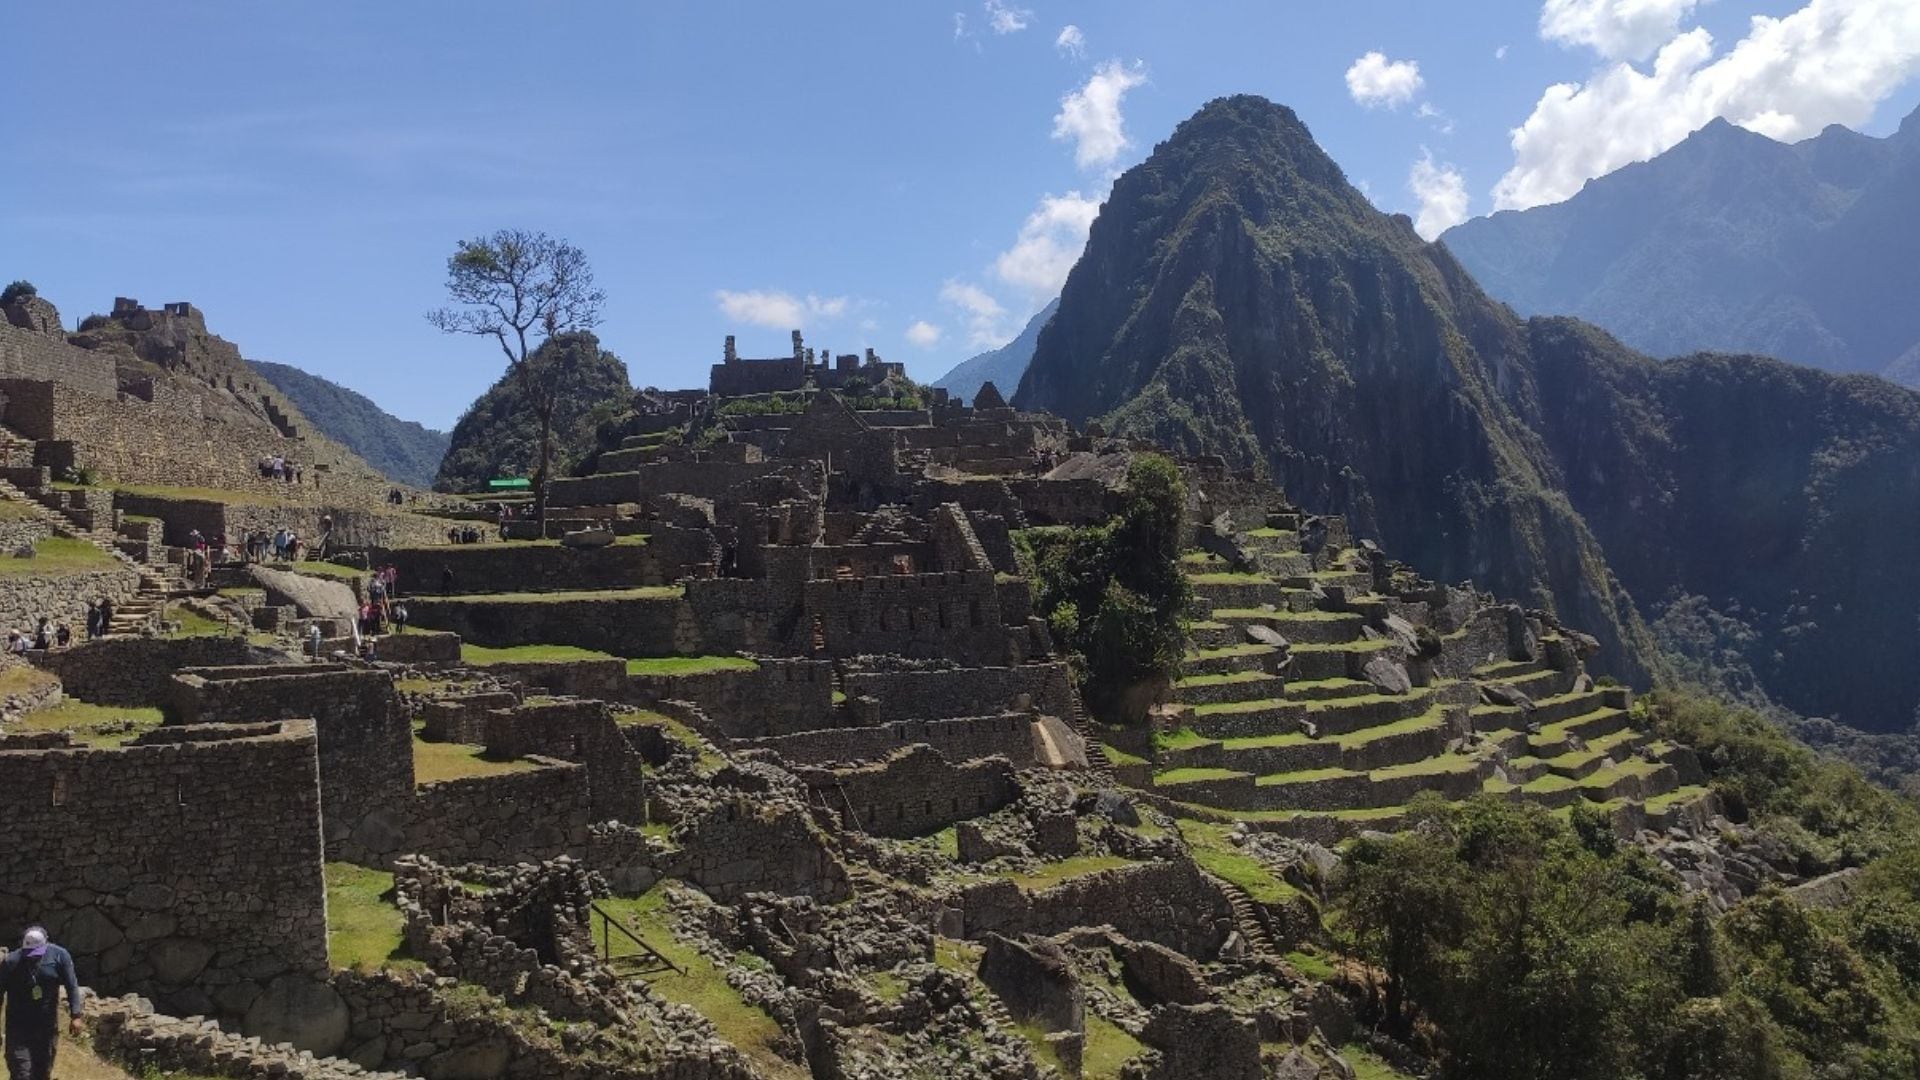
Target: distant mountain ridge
x=1002, y=366
x=1239, y=297
x=499, y=434
x=1730, y=241
x=402, y=449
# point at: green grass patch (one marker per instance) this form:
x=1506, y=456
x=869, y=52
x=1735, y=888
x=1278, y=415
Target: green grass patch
x=1193, y=776
x=1067, y=869
x=93, y=725
x=1228, y=577
x=947, y=840
x=1268, y=533
x=1368, y=1065
x=327, y=570
x=703, y=986
x=364, y=929
x=57, y=555
x=1226, y=679
x=1117, y=756
x=1216, y=854
x=1311, y=964
x=435, y=761
x=15, y=510
x=1433, y=766
x=482, y=655
x=194, y=624
x=709, y=760
x=1314, y=615
x=1225, y=708
x=689, y=665
x=1179, y=739
x=1305, y=776
x=23, y=679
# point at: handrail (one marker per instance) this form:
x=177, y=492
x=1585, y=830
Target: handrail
x=608, y=923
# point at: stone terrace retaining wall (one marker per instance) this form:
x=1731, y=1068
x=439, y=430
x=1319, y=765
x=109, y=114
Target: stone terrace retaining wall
x=602, y=679
x=779, y=697
x=139, y=671
x=24, y=598
x=1009, y=735
x=128, y=1030
x=952, y=616
x=490, y=568
x=645, y=626
x=915, y=792
x=583, y=732
x=535, y=815
x=137, y=859
x=933, y=691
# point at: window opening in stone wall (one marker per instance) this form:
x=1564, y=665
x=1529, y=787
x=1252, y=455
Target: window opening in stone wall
x=60, y=790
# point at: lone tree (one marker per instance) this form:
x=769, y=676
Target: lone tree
x=521, y=288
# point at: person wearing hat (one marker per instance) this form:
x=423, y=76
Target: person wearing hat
x=30, y=982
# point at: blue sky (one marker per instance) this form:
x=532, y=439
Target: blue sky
x=911, y=177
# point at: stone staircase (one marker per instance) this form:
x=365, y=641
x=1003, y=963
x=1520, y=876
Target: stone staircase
x=1248, y=919
x=68, y=516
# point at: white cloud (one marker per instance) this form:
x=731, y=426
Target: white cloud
x=1442, y=191
x=924, y=334
x=1500, y=53
x=1616, y=29
x=1375, y=80
x=779, y=310
x=1049, y=243
x=985, y=316
x=1090, y=116
x=1442, y=123
x=1004, y=18
x=959, y=25
x=1071, y=42
x=1831, y=62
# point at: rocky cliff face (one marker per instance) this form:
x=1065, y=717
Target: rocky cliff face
x=1730, y=241
x=1002, y=366
x=499, y=434
x=1238, y=297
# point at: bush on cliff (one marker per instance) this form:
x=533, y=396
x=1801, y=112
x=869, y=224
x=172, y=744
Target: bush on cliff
x=1113, y=594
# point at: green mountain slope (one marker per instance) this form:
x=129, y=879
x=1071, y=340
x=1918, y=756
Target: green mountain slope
x=1002, y=366
x=1733, y=242
x=402, y=449
x=1239, y=297
x=499, y=435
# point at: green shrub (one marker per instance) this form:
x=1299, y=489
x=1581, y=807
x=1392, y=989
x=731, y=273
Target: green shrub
x=17, y=290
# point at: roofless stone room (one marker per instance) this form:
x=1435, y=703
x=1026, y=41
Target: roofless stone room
x=788, y=542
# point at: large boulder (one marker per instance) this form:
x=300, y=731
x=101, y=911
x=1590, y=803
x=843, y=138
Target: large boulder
x=314, y=597
x=299, y=1010
x=1387, y=676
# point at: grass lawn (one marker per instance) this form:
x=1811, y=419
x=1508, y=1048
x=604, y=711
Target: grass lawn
x=703, y=986
x=1066, y=869
x=1179, y=739
x=1284, y=616
x=456, y=761
x=481, y=655
x=15, y=510
x=1217, y=855
x=1223, y=679
x=22, y=679
x=1192, y=776
x=363, y=926
x=1230, y=578
x=194, y=624
x=93, y=725
x=709, y=759
x=689, y=665
x=1311, y=964
x=326, y=569
x=1368, y=1065
x=57, y=555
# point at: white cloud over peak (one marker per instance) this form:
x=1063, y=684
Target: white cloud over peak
x=1830, y=62
x=1004, y=18
x=1374, y=80
x=1071, y=42
x=1442, y=191
x=1616, y=29
x=985, y=316
x=1090, y=116
x=923, y=334
x=1049, y=243
x=779, y=310
x=1500, y=53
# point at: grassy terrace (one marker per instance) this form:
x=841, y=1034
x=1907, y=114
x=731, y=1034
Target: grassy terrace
x=1225, y=679
x=647, y=592
x=1180, y=739
x=703, y=986
x=1224, y=708
x=1168, y=777
x=1067, y=869
x=689, y=665
x=1314, y=615
x=1350, y=740
x=435, y=761
x=326, y=569
x=92, y=725
x=1227, y=652
x=1218, y=855
x=1225, y=577
x=481, y=655
x=57, y=555
x=709, y=760
x=363, y=926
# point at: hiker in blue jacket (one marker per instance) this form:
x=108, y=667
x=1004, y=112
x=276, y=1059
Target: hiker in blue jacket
x=30, y=981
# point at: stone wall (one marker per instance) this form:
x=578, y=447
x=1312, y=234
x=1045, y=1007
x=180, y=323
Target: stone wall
x=886, y=692
x=366, y=742
x=580, y=731
x=462, y=718
x=138, y=859
x=43, y=358
x=24, y=598
x=132, y=671
x=1169, y=903
x=353, y=526
x=496, y=568
x=602, y=679
x=622, y=626
x=914, y=792
x=746, y=844
x=715, y=480
x=778, y=697
x=541, y=813
x=953, y=616
x=1009, y=735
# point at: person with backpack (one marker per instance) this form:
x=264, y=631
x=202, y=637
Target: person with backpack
x=31, y=978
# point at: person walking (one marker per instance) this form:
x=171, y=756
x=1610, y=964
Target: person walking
x=30, y=981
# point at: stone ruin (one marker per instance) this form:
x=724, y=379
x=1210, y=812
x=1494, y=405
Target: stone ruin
x=789, y=779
